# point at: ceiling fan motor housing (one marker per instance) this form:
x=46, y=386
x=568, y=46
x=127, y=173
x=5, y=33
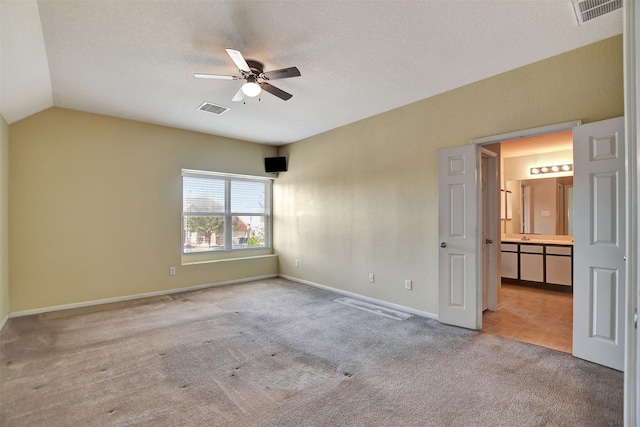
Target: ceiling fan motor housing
x=256, y=67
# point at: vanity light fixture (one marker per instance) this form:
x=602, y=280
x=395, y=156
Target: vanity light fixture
x=551, y=169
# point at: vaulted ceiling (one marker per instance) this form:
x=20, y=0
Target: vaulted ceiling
x=135, y=59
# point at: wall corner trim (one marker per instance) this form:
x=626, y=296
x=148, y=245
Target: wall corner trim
x=363, y=298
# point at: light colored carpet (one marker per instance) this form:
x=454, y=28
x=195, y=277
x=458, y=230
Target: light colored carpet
x=276, y=353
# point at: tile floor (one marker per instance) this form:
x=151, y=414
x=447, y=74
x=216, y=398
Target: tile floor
x=536, y=316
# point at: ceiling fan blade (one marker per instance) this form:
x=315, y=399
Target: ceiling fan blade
x=275, y=91
x=214, y=76
x=239, y=96
x=282, y=74
x=239, y=60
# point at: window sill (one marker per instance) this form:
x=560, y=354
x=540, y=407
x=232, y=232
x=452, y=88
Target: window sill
x=195, y=259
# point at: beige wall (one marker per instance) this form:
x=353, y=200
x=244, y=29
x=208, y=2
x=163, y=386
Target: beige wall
x=95, y=207
x=4, y=220
x=363, y=198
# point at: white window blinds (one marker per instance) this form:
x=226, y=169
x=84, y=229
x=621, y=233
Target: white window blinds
x=223, y=212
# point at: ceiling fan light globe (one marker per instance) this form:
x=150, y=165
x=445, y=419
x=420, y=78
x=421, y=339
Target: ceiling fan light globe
x=251, y=89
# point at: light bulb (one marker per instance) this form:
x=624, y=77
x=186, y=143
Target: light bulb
x=544, y=169
x=535, y=171
x=555, y=168
x=566, y=168
x=251, y=89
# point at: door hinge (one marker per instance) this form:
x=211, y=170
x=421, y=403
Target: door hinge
x=635, y=318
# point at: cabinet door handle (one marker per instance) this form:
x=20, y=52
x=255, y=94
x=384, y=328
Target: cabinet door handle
x=443, y=245
x=488, y=241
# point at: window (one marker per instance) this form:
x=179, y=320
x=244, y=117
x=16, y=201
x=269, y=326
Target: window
x=223, y=212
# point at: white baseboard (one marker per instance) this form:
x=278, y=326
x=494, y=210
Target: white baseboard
x=364, y=298
x=4, y=322
x=132, y=297
x=211, y=285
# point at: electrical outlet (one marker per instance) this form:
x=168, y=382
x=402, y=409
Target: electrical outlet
x=407, y=284
x=172, y=270
x=297, y=263
x=371, y=280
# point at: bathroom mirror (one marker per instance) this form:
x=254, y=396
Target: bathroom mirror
x=538, y=206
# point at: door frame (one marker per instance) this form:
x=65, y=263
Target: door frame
x=494, y=289
x=631, y=65
x=492, y=199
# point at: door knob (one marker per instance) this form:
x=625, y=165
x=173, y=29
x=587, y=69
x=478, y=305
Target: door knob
x=443, y=245
x=488, y=241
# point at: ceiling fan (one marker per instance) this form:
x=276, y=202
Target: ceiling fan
x=253, y=72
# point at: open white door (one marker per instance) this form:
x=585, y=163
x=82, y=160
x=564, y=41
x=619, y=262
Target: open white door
x=459, y=217
x=599, y=242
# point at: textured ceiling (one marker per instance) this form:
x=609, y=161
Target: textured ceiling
x=136, y=59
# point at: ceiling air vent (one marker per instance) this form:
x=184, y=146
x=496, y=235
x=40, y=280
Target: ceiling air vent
x=586, y=10
x=213, y=108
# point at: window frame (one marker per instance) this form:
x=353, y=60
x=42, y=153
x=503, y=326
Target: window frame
x=228, y=213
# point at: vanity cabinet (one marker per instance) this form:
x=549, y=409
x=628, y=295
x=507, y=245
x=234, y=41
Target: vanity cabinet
x=547, y=265
x=509, y=260
x=532, y=263
x=559, y=268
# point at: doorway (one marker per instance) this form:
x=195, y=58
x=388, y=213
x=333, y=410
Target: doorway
x=534, y=207
x=536, y=316
x=598, y=280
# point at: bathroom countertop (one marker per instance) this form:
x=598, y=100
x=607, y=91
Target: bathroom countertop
x=538, y=240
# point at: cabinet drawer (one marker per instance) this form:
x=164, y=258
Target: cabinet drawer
x=559, y=250
x=509, y=247
x=532, y=249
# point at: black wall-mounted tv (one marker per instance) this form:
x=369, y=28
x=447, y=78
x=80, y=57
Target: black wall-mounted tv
x=275, y=164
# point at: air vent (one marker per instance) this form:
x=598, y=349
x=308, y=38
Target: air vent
x=586, y=10
x=213, y=108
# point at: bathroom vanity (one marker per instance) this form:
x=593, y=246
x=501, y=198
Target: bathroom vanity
x=538, y=262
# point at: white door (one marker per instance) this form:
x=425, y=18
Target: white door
x=459, y=217
x=600, y=239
